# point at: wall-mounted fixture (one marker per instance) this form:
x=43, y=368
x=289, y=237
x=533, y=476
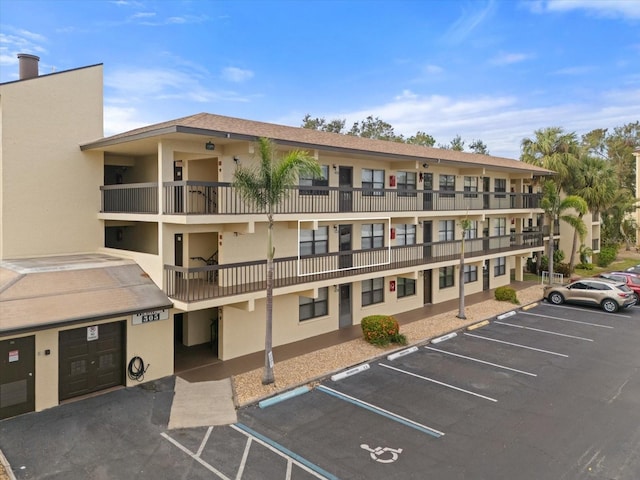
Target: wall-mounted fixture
x=236, y=160
x=425, y=165
x=335, y=228
x=336, y=288
x=335, y=168
x=210, y=145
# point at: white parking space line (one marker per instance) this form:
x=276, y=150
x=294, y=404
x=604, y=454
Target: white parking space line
x=516, y=345
x=482, y=361
x=583, y=310
x=204, y=441
x=566, y=320
x=438, y=382
x=543, y=331
x=195, y=457
x=284, y=452
x=243, y=462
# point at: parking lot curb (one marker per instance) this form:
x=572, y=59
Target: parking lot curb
x=478, y=325
x=530, y=306
x=7, y=468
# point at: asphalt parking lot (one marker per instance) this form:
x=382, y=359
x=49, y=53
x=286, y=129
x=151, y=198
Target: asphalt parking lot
x=548, y=393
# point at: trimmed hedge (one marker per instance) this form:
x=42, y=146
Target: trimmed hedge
x=382, y=330
x=506, y=294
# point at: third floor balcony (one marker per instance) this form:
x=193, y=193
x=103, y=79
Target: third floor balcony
x=213, y=198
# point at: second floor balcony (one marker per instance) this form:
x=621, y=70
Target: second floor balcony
x=213, y=281
x=213, y=198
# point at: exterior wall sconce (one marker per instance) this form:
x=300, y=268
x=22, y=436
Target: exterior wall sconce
x=210, y=145
x=425, y=165
x=335, y=228
x=336, y=288
x=335, y=168
x=236, y=160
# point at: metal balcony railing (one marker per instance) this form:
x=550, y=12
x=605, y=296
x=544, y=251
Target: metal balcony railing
x=214, y=281
x=212, y=198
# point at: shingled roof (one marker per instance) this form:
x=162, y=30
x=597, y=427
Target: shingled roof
x=230, y=127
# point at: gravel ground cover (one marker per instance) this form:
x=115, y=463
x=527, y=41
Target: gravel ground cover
x=310, y=368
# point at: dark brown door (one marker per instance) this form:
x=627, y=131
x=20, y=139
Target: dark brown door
x=426, y=278
x=90, y=359
x=345, y=260
x=485, y=275
x=345, y=189
x=427, y=239
x=427, y=199
x=486, y=186
x=178, y=189
x=17, y=376
x=345, y=317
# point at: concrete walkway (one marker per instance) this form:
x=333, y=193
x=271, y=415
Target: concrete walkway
x=202, y=404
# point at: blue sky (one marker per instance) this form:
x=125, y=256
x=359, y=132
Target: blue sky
x=494, y=70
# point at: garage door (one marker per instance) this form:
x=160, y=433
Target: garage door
x=17, y=376
x=91, y=359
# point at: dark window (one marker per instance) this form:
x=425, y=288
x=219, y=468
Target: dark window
x=372, y=235
x=500, y=267
x=407, y=184
x=447, y=184
x=500, y=186
x=446, y=232
x=470, y=273
x=314, y=242
x=372, y=291
x=372, y=182
x=471, y=187
x=500, y=227
x=406, y=287
x=314, y=307
x=319, y=184
x=472, y=232
x=405, y=234
x=446, y=277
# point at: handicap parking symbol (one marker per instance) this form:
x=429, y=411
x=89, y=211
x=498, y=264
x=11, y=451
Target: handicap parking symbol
x=382, y=454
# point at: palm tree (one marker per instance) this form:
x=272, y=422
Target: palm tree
x=556, y=207
x=265, y=185
x=595, y=182
x=555, y=150
x=465, y=225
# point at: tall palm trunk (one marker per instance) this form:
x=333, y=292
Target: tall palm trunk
x=574, y=248
x=551, y=247
x=268, y=376
x=461, y=314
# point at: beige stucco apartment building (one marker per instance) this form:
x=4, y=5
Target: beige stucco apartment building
x=142, y=235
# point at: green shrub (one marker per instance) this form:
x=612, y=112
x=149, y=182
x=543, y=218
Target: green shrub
x=506, y=294
x=585, y=266
x=562, y=268
x=382, y=330
x=607, y=255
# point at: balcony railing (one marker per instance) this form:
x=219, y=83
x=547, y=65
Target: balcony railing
x=211, y=198
x=214, y=281
x=130, y=198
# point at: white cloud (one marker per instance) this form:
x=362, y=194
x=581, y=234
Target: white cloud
x=581, y=70
x=468, y=22
x=601, y=8
x=121, y=119
x=433, y=69
x=509, y=58
x=237, y=75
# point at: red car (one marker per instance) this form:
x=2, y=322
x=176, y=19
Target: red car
x=631, y=279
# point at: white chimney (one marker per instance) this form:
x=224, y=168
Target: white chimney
x=28, y=65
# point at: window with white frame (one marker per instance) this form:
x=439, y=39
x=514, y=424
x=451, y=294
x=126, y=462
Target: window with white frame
x=407, y=184
x=500, y=227
x=447, y=184
x=314, y=307
x=372, y=235
x=372, y=291
x=314, y=242
x=500, y=186
x=446, y=277
x=446, y=231
x=310, y=181
x=406, y=287
x=372, y=182
x=500, y=266
x=471, y=187
x=405, y=234
x=470, y=273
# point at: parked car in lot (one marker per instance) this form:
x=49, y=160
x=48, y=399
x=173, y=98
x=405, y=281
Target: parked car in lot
x=631, y=279
x=607, y=294
x=634, y=269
